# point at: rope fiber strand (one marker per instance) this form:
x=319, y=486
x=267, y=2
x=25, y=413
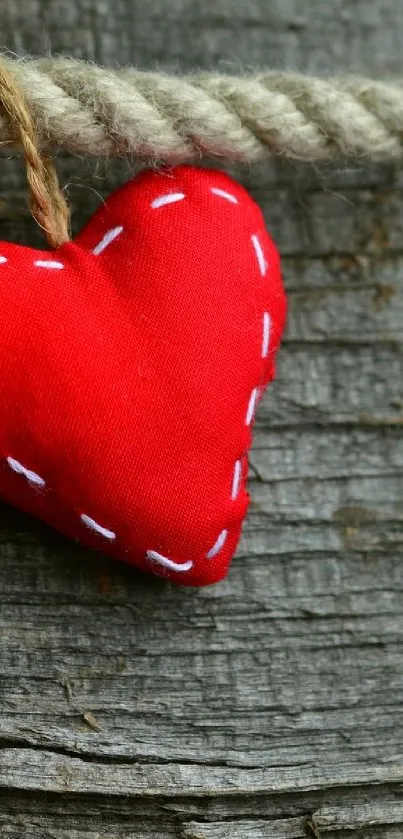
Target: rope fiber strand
x=89, y=110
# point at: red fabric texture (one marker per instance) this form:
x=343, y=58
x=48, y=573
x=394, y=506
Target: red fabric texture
x=131, y=363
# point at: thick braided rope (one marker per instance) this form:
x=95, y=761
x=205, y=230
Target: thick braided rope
x=90, y=110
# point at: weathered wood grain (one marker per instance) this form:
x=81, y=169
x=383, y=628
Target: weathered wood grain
x=269, y=705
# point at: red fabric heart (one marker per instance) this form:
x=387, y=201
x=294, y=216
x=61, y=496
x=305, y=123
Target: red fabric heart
x=131, y=364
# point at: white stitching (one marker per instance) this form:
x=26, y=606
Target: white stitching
x=107, y=239
x=218, y=545
x=266, y=334
x=48, y=263
x=169, y=563
x=169, y=198
x=223, y=194
x=259, y=254
x=251, y=406
x=103, y=531
x=32, y=477
x=236, y=478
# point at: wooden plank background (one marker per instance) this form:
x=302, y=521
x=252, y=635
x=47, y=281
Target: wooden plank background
x=269, y=705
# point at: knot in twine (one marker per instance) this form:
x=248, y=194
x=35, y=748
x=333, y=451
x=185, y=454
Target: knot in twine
x=47, y=202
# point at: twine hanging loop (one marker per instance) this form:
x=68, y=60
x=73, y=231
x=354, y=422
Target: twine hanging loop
x=47, y=201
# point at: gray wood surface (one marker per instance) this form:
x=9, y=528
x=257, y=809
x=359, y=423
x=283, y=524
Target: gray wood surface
x=269, y=705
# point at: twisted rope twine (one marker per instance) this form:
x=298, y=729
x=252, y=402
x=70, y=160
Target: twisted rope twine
x=48, y=205
x=90, y=110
